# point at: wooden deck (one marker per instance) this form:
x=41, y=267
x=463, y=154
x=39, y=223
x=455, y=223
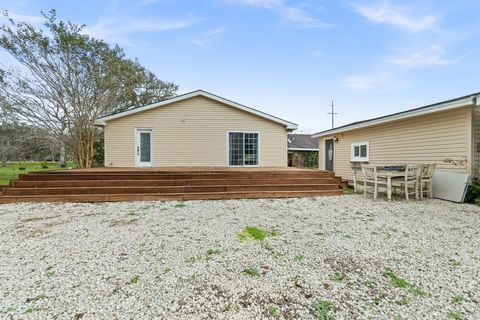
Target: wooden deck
x=173, y=183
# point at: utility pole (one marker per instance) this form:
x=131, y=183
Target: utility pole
x=333, y=114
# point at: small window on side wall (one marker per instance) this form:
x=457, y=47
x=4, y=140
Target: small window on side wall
x=360, y=151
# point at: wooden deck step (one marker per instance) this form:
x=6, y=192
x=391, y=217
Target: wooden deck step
x=108, y=184
x=183, y=182
x=171, y=176
x=170, y=196
x=168, y=189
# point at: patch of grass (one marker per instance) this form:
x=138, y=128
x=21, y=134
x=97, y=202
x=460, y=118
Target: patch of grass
x=399, y=282
x=227, y=307
x=455, y=315
x=167, y=270
x=8, y=310
x=403, y=302
x=38, y=297
x=456, y=299
x=211, y=252
x=49, y=272
x=272, y=312
x=134, y=279
x=455, y=263
x=337, y=278
x=191, y=279
x=278, y=255
x=378, y=298
x=296, y=281
x=395, y=280
x=255, y=233
x=322, y=310
x=133, y=213
x=252, y=272
x=252, y=233
x=348, y=190
x=273, y=233
x=299, y=258
x=180, y=205
x=417, y=291
x=32, y=309
x=11, y=171
x=192, y=259
x=369, y=283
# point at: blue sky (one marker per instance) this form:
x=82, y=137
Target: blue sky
x=291, y=58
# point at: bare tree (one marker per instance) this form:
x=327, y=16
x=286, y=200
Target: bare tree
x=66, y=80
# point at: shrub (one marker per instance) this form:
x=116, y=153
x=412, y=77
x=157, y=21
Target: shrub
x=22, y=165
x=473, y=192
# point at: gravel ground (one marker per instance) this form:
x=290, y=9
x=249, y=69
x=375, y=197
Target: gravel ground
x=345, y=257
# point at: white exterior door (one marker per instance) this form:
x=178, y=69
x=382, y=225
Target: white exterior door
x=143, y=147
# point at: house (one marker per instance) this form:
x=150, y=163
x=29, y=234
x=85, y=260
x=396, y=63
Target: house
x=302, y=150
x=446, y=133
x=195, y=129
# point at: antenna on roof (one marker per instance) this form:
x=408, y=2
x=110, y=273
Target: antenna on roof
x=333, y=113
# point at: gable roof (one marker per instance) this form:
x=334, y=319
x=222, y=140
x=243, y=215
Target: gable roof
x=198, y=93
x=302, y=142
x=471, y=99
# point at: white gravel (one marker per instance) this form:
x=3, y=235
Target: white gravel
x=171, y=260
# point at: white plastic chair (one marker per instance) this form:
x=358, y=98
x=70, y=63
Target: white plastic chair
x=426, y=180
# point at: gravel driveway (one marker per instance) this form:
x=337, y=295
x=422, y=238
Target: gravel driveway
x=344, y=257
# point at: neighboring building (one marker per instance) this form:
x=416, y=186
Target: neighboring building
x=195, y=129
x=302, y=150
x=446, y=133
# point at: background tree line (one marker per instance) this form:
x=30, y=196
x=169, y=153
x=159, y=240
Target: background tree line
x=63, y=82
x=21, y=142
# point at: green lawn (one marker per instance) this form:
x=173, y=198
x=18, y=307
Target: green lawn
x=11, y=171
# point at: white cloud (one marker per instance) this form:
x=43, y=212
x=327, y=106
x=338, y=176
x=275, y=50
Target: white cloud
x=398, y=16
x=427, y=56
x=420, y=59
x=33, y=20
x=115, y=28
x=269, y=4
x=145, y=2
x=369, y=82
x=207, y=38
x=293, y=16
x=301, y=18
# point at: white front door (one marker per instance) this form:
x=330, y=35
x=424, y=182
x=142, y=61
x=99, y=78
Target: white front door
x=143, y=147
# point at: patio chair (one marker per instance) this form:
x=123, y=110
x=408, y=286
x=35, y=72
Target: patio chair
x=410, y=183
x=426, y=180
x=371, y=180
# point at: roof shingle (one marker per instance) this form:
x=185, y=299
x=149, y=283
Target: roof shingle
x=302, y=141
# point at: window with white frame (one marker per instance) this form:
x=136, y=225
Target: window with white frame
x=360, y=151
x=243, y=149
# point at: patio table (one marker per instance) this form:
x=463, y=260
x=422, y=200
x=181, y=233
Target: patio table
x=389, y=174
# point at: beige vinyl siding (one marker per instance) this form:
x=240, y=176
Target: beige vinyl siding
x=427, y=138
x=192, y=132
